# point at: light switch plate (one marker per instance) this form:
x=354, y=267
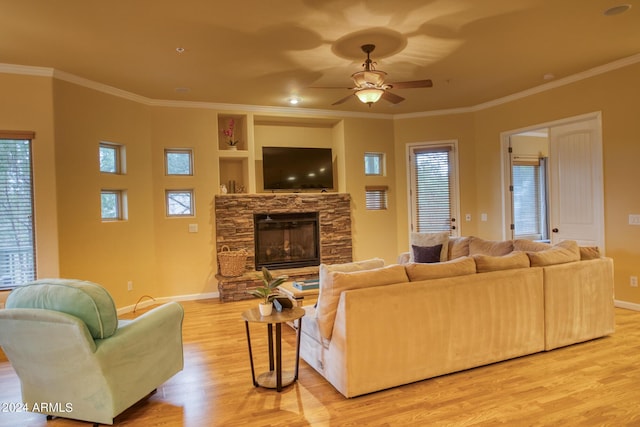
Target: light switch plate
x=634, y=219
x=193, y=228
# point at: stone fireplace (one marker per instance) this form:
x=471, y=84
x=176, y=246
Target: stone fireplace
x=235, y=220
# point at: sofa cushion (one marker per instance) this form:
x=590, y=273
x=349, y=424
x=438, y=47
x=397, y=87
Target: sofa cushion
x=431, y=239
x=515, y=259
x=563, y=252
x=456, y=267
x=88, y=301
x=338, y=281
x=479, y=246
x=530, y=245
x=458, y=247
x=426, y=254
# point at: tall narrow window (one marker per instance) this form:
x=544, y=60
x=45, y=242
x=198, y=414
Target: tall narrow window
x=433, y=178
x=529, y=198
x=17, y=240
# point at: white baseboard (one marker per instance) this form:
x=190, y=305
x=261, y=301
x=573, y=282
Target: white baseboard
x=161, y=300
x=627, y=305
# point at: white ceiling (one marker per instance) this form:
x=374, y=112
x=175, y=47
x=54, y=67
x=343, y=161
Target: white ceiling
x=261, y=52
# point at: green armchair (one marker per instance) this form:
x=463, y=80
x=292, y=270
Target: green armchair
x=73, y=356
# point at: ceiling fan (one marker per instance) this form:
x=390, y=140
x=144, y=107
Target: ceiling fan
x=370, y=83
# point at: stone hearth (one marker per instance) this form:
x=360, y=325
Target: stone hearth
x=235, y=229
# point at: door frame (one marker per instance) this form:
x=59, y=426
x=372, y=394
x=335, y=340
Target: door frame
x=505, y=161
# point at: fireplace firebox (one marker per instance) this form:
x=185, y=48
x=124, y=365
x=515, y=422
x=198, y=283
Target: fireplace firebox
x=286, y=240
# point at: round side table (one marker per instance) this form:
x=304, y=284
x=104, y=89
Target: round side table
x=274, y=378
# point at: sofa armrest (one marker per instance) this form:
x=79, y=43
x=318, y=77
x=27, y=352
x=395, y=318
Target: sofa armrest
x=143, y=353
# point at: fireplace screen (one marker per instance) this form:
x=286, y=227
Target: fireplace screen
x=286, y=240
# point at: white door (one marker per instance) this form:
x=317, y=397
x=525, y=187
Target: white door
x=576, y=197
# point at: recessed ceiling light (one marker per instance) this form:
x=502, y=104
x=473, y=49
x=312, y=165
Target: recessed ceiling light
x=182, y=89
x=549, y=76
x=295, y=100
x=617, y=10
x=180, y=49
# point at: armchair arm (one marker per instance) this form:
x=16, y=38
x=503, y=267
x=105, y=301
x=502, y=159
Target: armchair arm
x=143, y=353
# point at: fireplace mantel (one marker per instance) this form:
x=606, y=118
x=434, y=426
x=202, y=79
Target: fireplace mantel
x=235, y=226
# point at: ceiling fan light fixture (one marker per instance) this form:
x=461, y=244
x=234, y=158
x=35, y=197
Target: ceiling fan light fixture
x=369, y=96
x=369, y=78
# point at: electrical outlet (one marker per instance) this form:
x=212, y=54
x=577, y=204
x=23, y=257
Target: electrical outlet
x=130, y=285
x=633, y=281
x=483, y=217
x=467, y=217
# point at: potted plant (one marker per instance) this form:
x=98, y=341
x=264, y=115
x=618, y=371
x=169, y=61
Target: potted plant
x=268, y=291
x=229, y=133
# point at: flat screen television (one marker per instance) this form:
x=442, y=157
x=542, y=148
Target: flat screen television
x=294, y=168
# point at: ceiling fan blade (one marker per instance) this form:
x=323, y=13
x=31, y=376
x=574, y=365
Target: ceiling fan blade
x=411, y=85
x=345, y=99
x=392, y=97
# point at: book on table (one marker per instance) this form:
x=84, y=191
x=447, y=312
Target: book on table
x=304, y=285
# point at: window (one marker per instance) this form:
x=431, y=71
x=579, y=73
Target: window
x=374, y=164
x=111, y=158
x=178, y=162
x=179, y=203
x=433, y=178
x=529, y=198
x=113, y=205
x=17, y=240
x=376, y=197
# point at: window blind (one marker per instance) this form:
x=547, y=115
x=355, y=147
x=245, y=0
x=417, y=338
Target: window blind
x=529, y=199
x=433, y=205
x=376, y=198
x=17, y=250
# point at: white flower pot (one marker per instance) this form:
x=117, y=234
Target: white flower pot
x=265, y=309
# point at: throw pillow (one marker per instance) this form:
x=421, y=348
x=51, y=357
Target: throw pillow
x=338, y=281
x=478, y=246
x=530, y=246
x=426, y=254
x=431, y=239
x=563, y=252
x=458, y=247
x=589, y=252
x=486, y=263
x=457, y=267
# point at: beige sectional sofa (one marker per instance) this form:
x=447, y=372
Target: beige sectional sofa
x=376, y=327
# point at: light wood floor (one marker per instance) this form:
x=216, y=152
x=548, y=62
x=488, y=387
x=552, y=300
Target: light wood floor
x=590, y=384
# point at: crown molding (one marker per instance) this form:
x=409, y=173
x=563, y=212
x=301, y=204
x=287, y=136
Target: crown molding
x=29, y=70
x=26, y=70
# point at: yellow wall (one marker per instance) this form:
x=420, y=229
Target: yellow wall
x=109, y=253
x=186, y=261
x=374, y=233
x=163, y=259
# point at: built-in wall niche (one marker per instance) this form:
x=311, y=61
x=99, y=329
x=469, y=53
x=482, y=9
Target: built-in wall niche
x=232, y=128
x=302, y=133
